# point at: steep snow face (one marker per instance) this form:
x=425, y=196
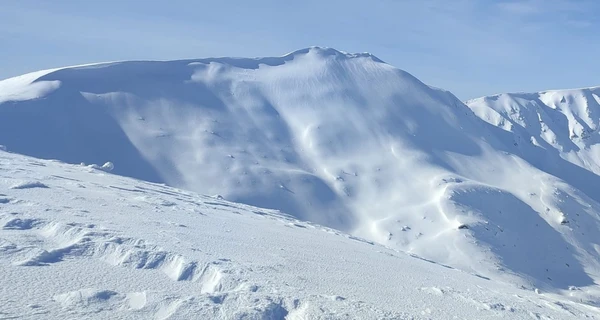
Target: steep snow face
x=82, y=243
x=343, y=140
x=315, y=133
x=564, y=123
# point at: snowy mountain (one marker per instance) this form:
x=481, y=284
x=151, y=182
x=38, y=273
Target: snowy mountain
x=345, y=141
x=79, y=243
x=549, y=128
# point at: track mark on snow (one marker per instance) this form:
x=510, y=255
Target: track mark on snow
x=220, y=204
x=360, y=239
x=168, y=309
x=74, y=240
x=90, y=301
x=41, y=257
x=20, y=224
x=210, y=278
x=136, y=300
x=29, y=185
x=64, y=178
x=126, y=189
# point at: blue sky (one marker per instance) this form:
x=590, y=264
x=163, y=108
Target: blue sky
x=470, y=47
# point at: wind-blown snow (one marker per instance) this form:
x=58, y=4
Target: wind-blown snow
x=342, y=140
x=92, y=245
x=26, y=87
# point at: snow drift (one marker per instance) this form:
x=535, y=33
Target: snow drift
x=343, y=140
x=79, y=243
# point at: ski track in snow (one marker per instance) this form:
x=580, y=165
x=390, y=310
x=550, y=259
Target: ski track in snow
x=96, y=245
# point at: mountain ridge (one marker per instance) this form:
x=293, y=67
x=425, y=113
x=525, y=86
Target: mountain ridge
x=343, y=140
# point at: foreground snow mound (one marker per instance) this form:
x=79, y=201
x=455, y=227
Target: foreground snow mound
x=343, y=140
x=91, y=245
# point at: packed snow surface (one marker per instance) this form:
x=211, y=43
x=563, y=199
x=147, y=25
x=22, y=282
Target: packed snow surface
x=92, y=245
x=504, y=187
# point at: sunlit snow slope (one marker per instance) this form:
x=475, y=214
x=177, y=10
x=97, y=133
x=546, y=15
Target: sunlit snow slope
x=565, y=124
x=83, y=244
x=343, y=140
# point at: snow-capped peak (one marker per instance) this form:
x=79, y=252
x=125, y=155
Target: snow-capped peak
x=339, y=139
x=566, y=121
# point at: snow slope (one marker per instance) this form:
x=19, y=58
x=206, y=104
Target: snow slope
x=76, y=242
x=564, y=123
x=342, y=140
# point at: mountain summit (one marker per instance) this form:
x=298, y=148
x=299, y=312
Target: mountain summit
x=343, y=140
